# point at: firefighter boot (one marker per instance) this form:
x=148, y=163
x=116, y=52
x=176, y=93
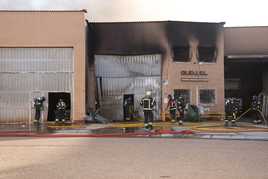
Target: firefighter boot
x=226, y=123
x=150, y=126
x=146, y=126
x=234, y=123
x=257, y=121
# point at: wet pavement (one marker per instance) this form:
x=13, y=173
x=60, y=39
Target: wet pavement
x=205, y=130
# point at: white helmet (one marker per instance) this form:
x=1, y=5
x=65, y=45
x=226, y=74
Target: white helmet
x=148, y=93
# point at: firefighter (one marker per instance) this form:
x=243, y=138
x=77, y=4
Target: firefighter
x=231, y=111
x=39, y=107
x=128, y=109
x=172, y=108
x=181, y=109
x=61, y=111
x=148, y=103
x=256, y=105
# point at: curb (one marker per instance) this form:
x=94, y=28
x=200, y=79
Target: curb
x=233, y=136
x=143, y=134
x=116, y=135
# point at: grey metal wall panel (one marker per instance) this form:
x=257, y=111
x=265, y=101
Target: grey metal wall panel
x=29, y=72
x=36, y=60
x=127, y=75
x=36, y=81
x=14, y=107
x=127, y=66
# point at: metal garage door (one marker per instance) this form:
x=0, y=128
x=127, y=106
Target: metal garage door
x=29, y=72
x=119, y=75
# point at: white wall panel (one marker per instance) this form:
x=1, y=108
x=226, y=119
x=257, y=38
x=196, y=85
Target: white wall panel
x=127, y=75
x=25, y=71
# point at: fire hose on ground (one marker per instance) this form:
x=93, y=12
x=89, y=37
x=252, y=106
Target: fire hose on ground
x=250, y=109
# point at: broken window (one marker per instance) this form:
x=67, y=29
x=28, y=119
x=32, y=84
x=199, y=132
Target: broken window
x=206, y=54
x=207, y=96
x=185, y=93
x=181, y=54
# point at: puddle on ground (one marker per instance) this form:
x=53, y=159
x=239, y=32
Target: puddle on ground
x=116, y=130
x=113, y=130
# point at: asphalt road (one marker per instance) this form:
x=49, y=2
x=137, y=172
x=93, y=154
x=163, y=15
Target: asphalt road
x=113, y=158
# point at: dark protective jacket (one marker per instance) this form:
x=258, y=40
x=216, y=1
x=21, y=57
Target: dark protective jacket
x=38, y=104
x=61, y=106
x=171, y=104
x=180, y=105
x=148, y=103
x=231, y=107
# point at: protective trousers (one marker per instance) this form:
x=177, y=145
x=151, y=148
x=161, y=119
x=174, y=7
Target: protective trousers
x=148, y=116
x=37, y=114
x=172, y=113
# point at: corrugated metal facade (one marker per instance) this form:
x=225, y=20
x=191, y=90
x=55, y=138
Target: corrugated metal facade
x=29, y=72
x=119, y=75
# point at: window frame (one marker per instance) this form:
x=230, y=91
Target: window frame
x=207, y=104
x=207, y=62
x=186, y=89
x=188, y=60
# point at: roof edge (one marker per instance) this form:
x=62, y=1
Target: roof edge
x=247, y=27
x=157, y=21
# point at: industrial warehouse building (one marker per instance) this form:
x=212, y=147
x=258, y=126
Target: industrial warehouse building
x=246, y=64
x=169, y=57
x=57, y=54
x=42, y=53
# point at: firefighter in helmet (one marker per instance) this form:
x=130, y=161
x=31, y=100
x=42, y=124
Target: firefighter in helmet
x=256, y=105
x=181, y=108
x=148, y=103
x=128, y=108
x=171, y=105
x=61, y=111
x=38, y=106
x=231, y=111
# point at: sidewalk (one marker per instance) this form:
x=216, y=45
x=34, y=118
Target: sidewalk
x=262, y=136
x=202, y=130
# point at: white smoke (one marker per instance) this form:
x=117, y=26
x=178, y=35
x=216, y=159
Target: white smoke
x=238, y=12
x=98, y=10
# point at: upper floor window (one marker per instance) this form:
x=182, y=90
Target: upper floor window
x=181, y=54
x=207, y=54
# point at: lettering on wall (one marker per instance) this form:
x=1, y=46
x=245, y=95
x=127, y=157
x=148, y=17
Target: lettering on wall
x=194, y=76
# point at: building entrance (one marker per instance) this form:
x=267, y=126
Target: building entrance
x=118, y=76
x=245, y=78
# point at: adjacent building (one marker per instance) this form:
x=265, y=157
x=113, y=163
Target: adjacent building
x=42, y=53
x=246, y=64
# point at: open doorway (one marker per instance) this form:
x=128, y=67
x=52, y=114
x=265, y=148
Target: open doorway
x=53, y=98
x=127, y=74
x=245, y=78
x=128, y=106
